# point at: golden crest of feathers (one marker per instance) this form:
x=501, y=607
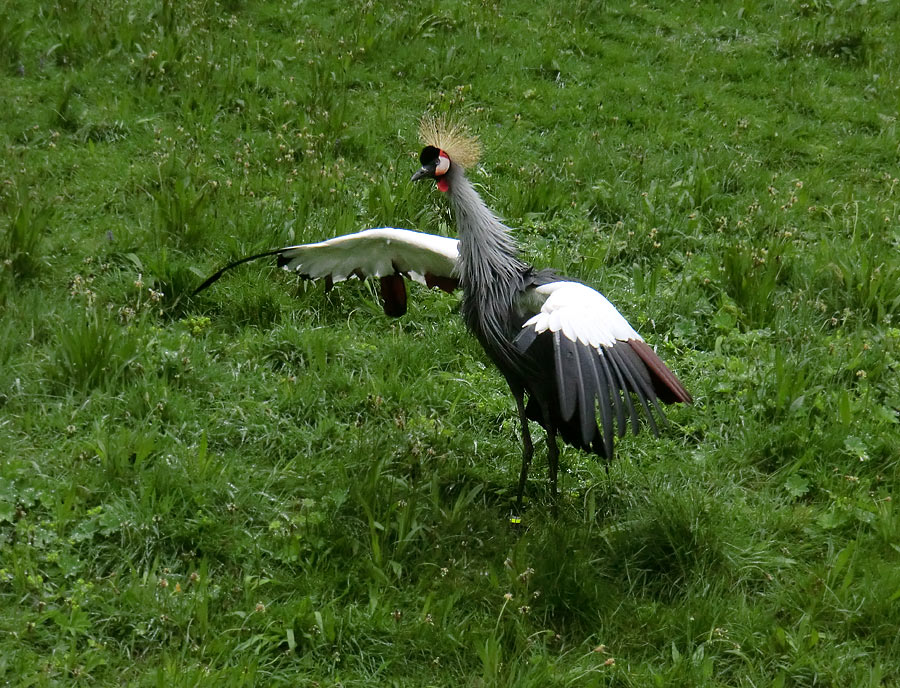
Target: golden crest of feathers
x=462, y=147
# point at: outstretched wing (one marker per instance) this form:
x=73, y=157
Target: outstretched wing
x=599, y=362
x=386, y=253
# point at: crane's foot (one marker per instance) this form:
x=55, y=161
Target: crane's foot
x=515, y=517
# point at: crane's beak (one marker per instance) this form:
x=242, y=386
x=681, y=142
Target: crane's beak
x=426, y=171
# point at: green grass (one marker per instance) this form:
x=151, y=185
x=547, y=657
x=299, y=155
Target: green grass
x=270, y=485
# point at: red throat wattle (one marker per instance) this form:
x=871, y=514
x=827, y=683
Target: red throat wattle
x=442, y=185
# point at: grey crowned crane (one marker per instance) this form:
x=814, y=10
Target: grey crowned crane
x=559, y=343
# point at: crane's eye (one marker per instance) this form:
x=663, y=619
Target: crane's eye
x=443, y=164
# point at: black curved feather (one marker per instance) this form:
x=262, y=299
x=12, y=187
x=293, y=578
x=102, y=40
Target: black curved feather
x=218, y=273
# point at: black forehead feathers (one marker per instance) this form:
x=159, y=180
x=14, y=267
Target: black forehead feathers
x=429, y=155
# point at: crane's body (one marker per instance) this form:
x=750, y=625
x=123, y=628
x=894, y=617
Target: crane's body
x=557, y=342
x=565, y=351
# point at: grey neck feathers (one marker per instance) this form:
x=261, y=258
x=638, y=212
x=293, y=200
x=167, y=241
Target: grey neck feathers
x=491, y=273
x=487, y=252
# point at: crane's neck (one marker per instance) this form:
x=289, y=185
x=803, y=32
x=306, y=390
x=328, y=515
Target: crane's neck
x=491, y=275
x=488, y=253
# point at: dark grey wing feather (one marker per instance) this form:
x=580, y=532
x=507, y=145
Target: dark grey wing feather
x=566, y=370
x=625, y=386
x=646, y=393
x=525, y=339
x=629, y=384
x=613, y=386
x=588, y=393
x=601, y=386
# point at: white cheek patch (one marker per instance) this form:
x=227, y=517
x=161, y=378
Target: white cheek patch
x=443, y=165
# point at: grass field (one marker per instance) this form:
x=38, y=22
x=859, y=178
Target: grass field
x=268, y=485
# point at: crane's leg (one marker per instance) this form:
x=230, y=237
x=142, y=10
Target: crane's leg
x=553, y=463
x=527, y=448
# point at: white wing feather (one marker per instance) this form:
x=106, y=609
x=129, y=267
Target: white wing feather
x=375, y=253
x=583, y=314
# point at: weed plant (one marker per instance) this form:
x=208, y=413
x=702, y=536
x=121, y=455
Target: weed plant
x=274, y=485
